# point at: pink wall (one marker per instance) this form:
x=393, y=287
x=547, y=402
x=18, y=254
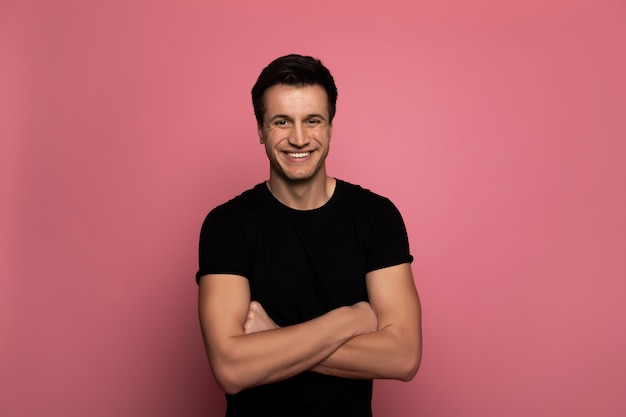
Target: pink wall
x=496, y=127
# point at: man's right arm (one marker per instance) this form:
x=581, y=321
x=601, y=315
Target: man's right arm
x=241, y=360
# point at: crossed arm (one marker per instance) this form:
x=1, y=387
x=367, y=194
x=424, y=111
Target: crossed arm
x=380, y=339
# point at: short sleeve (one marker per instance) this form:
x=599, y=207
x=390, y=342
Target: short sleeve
x=223, y=245
x=387, y=243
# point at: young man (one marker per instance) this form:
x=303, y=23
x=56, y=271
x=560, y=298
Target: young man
x=305, y=286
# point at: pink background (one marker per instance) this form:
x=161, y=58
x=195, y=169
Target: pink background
x=497, y=128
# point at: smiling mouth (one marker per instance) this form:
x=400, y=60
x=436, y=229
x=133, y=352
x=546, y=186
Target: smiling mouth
x=298, y=155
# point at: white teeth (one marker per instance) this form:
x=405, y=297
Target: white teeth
x=298, y=154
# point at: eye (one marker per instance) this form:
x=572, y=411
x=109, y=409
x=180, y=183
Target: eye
x=314, y=121
x=280, y=122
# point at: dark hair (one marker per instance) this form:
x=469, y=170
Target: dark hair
x=295, y=70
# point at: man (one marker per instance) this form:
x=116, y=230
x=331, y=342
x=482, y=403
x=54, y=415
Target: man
x=305, y=287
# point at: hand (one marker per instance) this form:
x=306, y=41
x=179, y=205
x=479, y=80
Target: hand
x=258, y=320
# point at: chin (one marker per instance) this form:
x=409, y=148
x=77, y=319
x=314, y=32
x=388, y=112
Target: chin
x=298, y=179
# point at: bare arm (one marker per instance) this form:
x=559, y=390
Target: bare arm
x=394, y=350
x=241, y=359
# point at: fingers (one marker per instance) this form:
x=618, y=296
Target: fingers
x=255, y=307
x=249, y=325
x=257, y=320
x=252, y=320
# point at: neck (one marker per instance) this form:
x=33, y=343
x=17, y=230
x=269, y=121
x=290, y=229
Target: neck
x=306, y=195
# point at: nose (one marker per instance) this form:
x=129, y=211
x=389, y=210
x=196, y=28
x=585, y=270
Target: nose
x=298, y=136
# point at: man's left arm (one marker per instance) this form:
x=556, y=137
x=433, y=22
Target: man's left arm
x=394, y=350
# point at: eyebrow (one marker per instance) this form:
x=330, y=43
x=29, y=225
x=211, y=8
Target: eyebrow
x=308, y=116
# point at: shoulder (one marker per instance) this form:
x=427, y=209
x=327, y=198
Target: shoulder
x=380, y=226
x=245, y=201
x=369, y=207
x=363, y=197
x=236, y=210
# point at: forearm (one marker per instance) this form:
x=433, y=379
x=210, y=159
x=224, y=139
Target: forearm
x=394, y=350
x=387, y=353
x=248, y=360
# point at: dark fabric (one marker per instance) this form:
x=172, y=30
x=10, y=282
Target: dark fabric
x=300, y=265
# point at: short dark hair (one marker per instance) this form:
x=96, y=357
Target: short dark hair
x=295, y=70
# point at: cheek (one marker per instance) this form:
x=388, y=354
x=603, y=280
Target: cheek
x=268, y=136
x=323, y=134
x=272, y=139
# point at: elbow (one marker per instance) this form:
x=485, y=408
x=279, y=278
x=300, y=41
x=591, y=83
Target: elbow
x=410, y=364
x=229, y=388
x=409, y=371
x=226, y=367
x=228, y=378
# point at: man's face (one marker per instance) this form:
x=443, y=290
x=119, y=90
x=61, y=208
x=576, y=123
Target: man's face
x=296, y=132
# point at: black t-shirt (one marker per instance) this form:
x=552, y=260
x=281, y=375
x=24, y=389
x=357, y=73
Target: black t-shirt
x=300, y=265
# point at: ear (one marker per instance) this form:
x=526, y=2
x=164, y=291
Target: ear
x=260, y=132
